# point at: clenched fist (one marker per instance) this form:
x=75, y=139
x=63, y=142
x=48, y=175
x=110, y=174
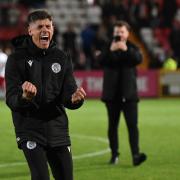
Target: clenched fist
x=29, y=90
x=78, y=95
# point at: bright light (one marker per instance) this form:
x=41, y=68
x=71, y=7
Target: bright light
x=90, y=1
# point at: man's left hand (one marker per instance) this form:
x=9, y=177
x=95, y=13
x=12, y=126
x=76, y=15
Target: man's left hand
x=120, y=45
x=78, y=95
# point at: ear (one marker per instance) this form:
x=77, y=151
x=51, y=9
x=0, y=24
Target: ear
x=29, y=31
x=53, y=28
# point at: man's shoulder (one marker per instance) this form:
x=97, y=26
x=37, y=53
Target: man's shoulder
x=63, y=55
x=132, y=44
x=59, y=52
x=19, y=53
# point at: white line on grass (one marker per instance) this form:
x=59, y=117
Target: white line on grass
x=86, y=155
x=89, y=155
x=12, y=164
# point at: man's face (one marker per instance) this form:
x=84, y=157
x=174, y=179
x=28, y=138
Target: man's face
x=122, y=32
x=41, y=32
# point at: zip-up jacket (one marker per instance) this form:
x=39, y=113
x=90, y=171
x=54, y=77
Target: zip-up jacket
x=43, y=119
x=120, y=73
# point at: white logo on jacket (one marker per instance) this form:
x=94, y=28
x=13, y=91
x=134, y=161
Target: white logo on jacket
x=31, y=144
x=56, y=67
x=18, y=139
x=30, y=62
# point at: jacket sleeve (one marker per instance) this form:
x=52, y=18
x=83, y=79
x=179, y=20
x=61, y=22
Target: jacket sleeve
x=131, y=57
x=14, y=80
x=69, y=87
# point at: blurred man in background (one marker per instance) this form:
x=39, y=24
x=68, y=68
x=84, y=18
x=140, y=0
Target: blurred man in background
x=3, y=59
x=119, y=60
x=40, y=84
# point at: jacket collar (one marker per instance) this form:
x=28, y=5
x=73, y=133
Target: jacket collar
x=33, y=49
x=25, y=42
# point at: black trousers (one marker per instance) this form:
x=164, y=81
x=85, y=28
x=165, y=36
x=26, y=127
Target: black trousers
x=59, y=159
x=130, y=111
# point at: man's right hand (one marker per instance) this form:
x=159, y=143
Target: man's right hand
x=29, y=90
x=120, y=45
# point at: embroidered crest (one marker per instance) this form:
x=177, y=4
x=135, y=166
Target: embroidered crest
x=56, y=67
x=31, y=144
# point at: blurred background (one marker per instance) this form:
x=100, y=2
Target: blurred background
x=83, y=26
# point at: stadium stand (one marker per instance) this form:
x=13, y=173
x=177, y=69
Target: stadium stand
x=153, y=31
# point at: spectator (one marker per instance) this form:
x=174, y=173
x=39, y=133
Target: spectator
x=3, y=59
x=119, y=60
x=175, y=40
x=168, y=12
x=69, y=43
x=88, y=36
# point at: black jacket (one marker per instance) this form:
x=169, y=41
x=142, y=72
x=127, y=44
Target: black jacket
x=43, y=119
x=120, y=73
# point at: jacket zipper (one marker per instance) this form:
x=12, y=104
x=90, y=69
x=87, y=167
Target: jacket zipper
x=42, y=80
x=42, y=83
x=43, y=93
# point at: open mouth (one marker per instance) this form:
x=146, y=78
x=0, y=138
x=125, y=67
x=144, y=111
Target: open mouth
x=44, y=38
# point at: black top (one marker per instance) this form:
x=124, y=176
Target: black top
x=43, y=119
x=120, y=73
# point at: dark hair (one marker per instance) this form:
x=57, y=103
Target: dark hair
x=122, y=23
x=38, y=15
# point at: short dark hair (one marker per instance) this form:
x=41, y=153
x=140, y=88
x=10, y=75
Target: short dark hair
x=121, y=23
x=38, y=15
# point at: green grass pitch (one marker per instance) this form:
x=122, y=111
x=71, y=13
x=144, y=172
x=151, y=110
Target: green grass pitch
x=159, y=124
